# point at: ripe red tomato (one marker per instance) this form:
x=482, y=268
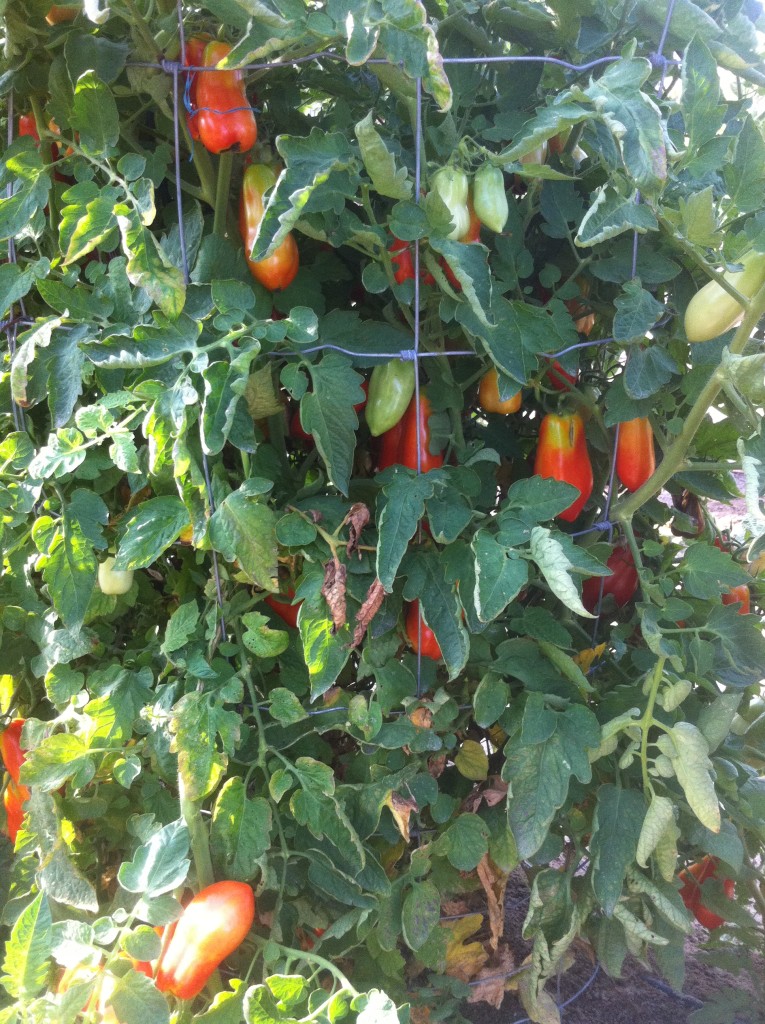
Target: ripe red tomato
x=390, y=442
x=10, y=748
x=562, y=454
x=194, y=54
x=693, y=879
x=225, y=119
x=210, y=928
x=402, y=258
x=560, y=379
x=14, y=798
x=420, y=636
x=621, y=585
x=635, y=457
x=738, y=595
x=280, y=603
x=279, y=269
x=415, y=426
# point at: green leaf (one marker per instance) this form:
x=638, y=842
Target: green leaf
x=420, y=914
x=611, y=214
x=181, y=626
x=375, y=1007
x=469, y=264
x=439, y=607
x=71, y=571
x=706, y=571
x=490, y=700
x=325, y=651
x=204, y=736
x=27, y=953
x=94, y=115
x=647, y=371
x=22, y=168
x=87, y=219
x=637, y=312
x=243, y=530
x=616, y=831
x=380, y=163
x=160, y=865
x=539, y=774
x=15, y=282
x=58, y=875
x=400, y=507
x=550, y=555
x=241, y=831
x=327, y=412
x=466, y=841
x=94, y=53
x=136, y=998
x=501, y=574
x=55, y=761
x=150, y=269
x=635, y=120
x=659, y=818
x=322, y=165
x=154, y=526
x=688, y=751
x=744, y=175
x=285, y=707
x=261, y=640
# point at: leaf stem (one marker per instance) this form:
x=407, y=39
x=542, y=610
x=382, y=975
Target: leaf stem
x=223, y=187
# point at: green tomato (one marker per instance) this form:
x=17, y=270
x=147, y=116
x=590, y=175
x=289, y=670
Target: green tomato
x=490, y=198
x=451, y=184
x=712, y=311
x=114, y=581
x=391, y=387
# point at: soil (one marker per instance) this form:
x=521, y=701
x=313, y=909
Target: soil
x=710, y=995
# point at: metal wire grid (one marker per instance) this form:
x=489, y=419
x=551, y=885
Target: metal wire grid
x=175, y=68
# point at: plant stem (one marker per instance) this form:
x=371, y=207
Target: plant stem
x=225, y=166
x=646, y=722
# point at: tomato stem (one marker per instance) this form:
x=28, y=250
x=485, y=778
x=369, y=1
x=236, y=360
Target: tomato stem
x=225, y=166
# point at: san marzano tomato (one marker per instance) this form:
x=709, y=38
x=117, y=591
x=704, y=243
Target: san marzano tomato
x=211, y=927
x=635, y=457
x=279, y=269
x=225, y=119
x=562, y=454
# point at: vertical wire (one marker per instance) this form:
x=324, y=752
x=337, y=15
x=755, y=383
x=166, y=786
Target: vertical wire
x=417, y=179
x=185, y=262
x=16, y=411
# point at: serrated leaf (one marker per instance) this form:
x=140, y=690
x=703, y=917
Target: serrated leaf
x=688, y=751
x=243, y=530
x=155, y=525
x=27, y=958
x=550, y=556
x=380, y=163
x=240, y=832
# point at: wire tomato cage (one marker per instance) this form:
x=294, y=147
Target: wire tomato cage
x=182, y=107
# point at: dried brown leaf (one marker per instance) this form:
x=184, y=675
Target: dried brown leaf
x=401, y=807
x=333, y=591
x=493, y=979
x=494, y=882
x=367, y=612
x=357, y=519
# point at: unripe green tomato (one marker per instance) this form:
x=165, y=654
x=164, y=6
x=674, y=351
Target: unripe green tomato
x=391, y=387
x=114, y=581
x=490, y=198
x=451, y=184
x=712, y=311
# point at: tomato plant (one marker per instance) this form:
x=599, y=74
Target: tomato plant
x=183, y=440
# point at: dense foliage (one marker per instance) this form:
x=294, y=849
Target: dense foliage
x=216, y=580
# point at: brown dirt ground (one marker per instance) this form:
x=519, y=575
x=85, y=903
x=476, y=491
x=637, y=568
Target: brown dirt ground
x=634, y=998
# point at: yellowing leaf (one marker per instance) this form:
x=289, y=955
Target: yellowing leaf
x=464, y=959
x=401, y=808
x=472, y=761
x=588, y=656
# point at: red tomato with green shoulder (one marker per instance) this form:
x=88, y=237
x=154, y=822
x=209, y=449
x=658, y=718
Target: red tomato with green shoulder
x=225, y=119
x=420, y=636
x=635, y=456
x=210, y=928
x=279, y=269
x=562, y=454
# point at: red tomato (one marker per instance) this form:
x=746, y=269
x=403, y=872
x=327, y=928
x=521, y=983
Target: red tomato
x=280, y=603
x=420, y=636
x=621, y=585
x=225, y=119
x=693, y=879
x=14, y=798
x=562, y=454
x=279, y=269
x=10, y=748
x=415, y=426
x=560, y=379
x=194, y=54
x=210, y=928
x=402, y=259
x=635, y=457
x=738, y=595
x=389, y=444
x=28, y=126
